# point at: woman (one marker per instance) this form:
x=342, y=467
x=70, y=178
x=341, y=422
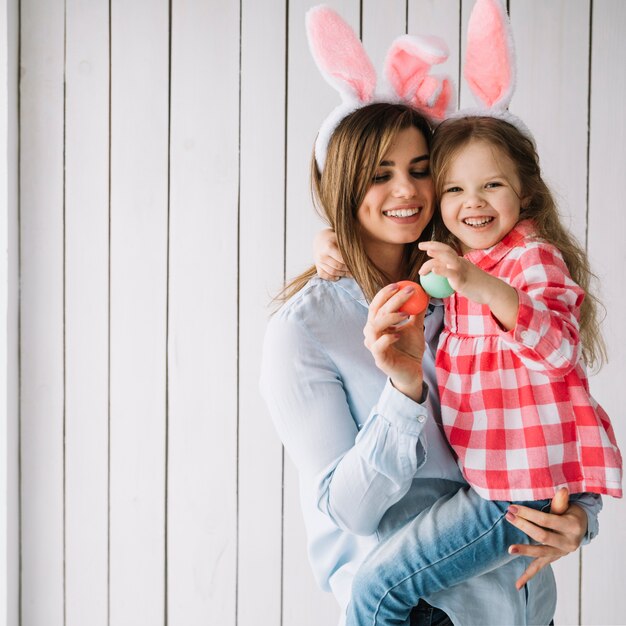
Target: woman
x=369, y=450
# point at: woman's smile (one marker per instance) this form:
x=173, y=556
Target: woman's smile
x=403, y=214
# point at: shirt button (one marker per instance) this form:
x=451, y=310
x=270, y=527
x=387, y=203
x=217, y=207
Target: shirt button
x=421, y=419
x=524, y=335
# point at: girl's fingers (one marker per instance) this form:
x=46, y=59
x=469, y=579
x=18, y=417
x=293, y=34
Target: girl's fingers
x=329, y=269
x=427, y=267
x=324, y=275
x=440, y=261
x=435, y=247
x=334, y=263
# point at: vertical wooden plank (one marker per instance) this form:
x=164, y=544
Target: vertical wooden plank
x=465, y=96
x=551, y=41
x=12, y=537
x=442, y=19
x=261, y=258
x=86, y=310
x=41, y=318
x=309, y=100
x=382, y=23
x=603, y=599
x=6, y=206
x=9, y=236
x=202, y=355
x=139, y=198
x=552, y=46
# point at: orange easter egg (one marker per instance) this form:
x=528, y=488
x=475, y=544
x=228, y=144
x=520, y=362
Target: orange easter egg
x=418, y=300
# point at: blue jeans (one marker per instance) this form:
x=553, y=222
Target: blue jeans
x=460, y=536
x=426, y=615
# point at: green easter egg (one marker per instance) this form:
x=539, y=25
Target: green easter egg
x=436, y=286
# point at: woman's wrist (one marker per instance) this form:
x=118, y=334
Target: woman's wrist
x=416, y=389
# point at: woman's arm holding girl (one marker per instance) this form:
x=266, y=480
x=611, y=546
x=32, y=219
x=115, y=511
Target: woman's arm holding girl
x=559, y=532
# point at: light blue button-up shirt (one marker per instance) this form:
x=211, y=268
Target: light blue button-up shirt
x=368, y=457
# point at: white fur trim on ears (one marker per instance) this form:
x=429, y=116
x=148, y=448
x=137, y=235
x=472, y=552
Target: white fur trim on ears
x=328, y=128
x=343, y=62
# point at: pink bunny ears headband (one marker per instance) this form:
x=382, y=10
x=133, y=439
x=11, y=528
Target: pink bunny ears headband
x=342, y=60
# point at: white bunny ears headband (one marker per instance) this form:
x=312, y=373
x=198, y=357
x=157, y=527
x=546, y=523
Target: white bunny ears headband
x=342, y=60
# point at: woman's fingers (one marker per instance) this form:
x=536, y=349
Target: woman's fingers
x=535, y=566
x=381, y=298
x=539, y=533
x=535, y=551
x=535, y=517
x=563, y=532
x=387, y=301
x=380, y=346
x=558, y=532
x=560, y=501
x=383, y=324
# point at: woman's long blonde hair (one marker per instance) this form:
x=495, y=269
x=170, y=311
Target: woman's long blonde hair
x=539, y=206
x=355, y=151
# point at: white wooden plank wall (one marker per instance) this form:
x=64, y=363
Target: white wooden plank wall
x=164, y=164
x=9, y=231
x=602, y=598
x=86, y=312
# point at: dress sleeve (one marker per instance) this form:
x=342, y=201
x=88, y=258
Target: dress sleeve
x=546, y=334
x=358, y=475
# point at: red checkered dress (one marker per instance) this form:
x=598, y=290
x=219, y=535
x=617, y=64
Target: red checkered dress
x=516, y=405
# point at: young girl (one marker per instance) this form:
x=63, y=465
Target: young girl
x=511, y=361
x=521, y=327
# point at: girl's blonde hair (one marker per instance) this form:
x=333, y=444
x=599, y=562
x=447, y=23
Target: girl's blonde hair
x=538, y=205
x=355, y=150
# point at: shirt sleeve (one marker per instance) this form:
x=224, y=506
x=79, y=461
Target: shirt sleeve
x=358, y=475
x=592, y=504
x=546, y=334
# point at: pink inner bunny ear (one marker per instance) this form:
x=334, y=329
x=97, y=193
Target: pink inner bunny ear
x=340, y=55
x=435, y=97
x=489, y=62
x=409, y=60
